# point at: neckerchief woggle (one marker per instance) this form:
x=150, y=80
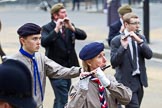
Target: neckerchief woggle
x=36, y=71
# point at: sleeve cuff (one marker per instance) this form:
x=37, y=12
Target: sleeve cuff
x=141, y=43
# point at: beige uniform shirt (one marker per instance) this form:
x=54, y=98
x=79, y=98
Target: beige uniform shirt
x=116, y=93
x=46, y=67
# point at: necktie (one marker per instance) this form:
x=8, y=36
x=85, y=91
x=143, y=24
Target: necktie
x=63, y=32
x=36, y=72
x=103, y=102
x=134, y=56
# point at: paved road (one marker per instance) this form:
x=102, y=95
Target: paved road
x=95, y=25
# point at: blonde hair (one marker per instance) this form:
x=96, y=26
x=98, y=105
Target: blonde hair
x=85, y=66
x=56, y=8
x=128, y=16
x=124, y=9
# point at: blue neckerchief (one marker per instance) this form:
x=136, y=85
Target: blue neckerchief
x=36, y=71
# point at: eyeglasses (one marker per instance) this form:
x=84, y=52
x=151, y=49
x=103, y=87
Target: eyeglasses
x=135, y=23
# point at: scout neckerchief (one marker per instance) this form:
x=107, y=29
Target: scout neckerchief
x=103, y=102
x=36, y=71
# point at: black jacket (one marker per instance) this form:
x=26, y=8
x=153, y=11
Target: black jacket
x=58, y=49
x=2, y=53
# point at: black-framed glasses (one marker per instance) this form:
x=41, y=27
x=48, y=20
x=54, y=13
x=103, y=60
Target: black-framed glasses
x=135, y=23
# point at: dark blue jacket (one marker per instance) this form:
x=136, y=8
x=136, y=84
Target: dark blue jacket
x=114, y=30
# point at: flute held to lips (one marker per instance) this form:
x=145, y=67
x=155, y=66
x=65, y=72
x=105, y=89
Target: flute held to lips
x=102, y=68
x=137, y=33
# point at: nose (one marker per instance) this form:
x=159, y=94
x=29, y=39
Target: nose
x=138, y=24
x=39, y=41
x=104, y=59
x=65, y=14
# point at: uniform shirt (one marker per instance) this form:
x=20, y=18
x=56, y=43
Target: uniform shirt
x=46, y=67
x=117, y=92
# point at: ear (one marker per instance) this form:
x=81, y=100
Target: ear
x=126, y=24
x=22, y=40
x=88, y=63
x=5, y=105
x=55, y=16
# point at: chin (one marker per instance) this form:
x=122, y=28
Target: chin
x=36, y=50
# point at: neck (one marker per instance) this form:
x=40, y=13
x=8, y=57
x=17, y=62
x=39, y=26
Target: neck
x=27, y=51
x=22, y=51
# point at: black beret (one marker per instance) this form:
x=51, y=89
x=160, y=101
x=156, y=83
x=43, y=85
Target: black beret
x=16, y=84
x=91, y=50
x=29, y=29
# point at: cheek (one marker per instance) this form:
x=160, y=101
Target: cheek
x=31, y=43
x=102, y=62
x=97, y=64
x=132, y=28
x=135, y=28
x=62, y=16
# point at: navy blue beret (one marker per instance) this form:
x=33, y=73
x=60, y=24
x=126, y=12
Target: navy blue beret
x=29, y=29
x=91, y=50
x=16, y=84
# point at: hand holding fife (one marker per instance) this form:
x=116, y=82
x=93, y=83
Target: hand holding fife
x=83, y=84
x=84, y=75
x=59, y=25
x=135, y=37
x=124, y=41
x=94, y=71
x=101, y=76
x=66, y=20
x=68, y=24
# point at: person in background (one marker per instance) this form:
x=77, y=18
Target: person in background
x=113, y=15
x=74, y=3
x=98, y=90
x=128, y=53
x=62, y=1
x=15, y=85
x=58, y=39
x=88, y=4
x=2, y=54
x=39, y=65
x=117, y=27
